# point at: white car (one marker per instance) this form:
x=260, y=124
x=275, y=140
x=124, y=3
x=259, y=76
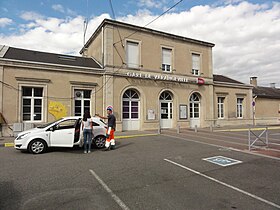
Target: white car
x=65, y=132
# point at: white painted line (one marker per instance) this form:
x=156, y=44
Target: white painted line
x=113, y=195
x=224, y=147
x=225, y=184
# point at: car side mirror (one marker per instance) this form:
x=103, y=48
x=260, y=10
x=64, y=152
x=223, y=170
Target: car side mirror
x=53, y=128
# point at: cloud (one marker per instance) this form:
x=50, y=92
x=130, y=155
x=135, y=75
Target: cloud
x=58, y=7
x=5, y=21
x=151, y=3
x=30, y=15
x=52, y=34
x=246, y=35
x=61, y=9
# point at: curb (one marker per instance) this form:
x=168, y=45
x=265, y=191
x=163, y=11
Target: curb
x=246, y=129
x=137, y=135
x=116, y=137
x=7, y=145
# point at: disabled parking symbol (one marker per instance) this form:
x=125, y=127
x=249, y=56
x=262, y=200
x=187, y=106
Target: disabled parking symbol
x=222, y=161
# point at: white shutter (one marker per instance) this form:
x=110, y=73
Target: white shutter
x=196, y=61
x=166, y=56
x=132, y=54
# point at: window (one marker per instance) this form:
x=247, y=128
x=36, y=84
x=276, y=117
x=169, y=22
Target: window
x=132, y=54
x=32, y=103
x=196, y=64
x=82, y=102
x=240, y=107
x=130, y=104
x=194, y=106
x=166, y=59
x=166, y=105
x=66, y=124
x=221, y=107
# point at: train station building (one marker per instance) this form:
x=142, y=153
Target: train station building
x=152, y=79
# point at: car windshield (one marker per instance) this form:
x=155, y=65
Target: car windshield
x=46, y=125
x=102, y=121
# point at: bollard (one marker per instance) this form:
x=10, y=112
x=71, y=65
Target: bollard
x=178, y=129
x=211, y=128
x=159, y=129
x=195, y=128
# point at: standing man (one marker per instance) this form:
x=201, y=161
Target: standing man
x=110, y=141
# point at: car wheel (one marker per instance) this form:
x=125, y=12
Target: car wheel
x=37, y=146
x=99, y=141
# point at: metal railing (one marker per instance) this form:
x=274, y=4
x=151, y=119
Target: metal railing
x=262, y=137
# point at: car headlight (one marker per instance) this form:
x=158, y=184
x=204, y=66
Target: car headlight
x=22, y=136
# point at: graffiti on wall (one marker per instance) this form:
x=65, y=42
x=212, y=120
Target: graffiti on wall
x=57, y=109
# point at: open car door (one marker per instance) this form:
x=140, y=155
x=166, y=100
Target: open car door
x=63, y=133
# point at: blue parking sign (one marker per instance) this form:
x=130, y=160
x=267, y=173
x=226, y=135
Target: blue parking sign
x=222, y=161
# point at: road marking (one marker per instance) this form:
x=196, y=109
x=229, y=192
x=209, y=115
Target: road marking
x=113, y=195
x=246, y=129
x=224, y=147
x=137, y=135
x=225, y=184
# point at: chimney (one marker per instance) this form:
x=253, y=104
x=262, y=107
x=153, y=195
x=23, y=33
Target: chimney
x=253, y=81
x=272, y=85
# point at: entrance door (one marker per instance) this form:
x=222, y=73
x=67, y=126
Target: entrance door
x=166, y=108
x=194, y=110
x=131, y=106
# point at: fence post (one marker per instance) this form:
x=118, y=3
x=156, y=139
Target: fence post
x=266, y=136
x=249, y=139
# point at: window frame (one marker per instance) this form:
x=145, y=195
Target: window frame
x=130, y=106
x=81, y=89
x=239, y=112
x=32, y=104
x=129, y=65
x=194, y=71
x=194, y=104
x=164, y=65
x=221, y=107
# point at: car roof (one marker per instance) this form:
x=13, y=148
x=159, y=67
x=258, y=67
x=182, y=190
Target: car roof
x=72, y=117
x=78, y=117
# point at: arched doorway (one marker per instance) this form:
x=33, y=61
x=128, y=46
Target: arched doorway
x=130, y=110
x=194, y=110
x=166, y=109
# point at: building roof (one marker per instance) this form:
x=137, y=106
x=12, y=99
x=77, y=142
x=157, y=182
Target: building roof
x=50, y=58
x=224, y=79
x=139, y=28
x=266, y=92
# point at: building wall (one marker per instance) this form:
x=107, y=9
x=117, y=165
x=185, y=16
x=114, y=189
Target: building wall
x=230, y=105
x=95, y=50
x=151, y=52
x=58, y=91
x=150, y=91
x=150, y=60
x=267, y=111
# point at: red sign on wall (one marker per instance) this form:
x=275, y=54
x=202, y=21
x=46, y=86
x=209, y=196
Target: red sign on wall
x=200, y=81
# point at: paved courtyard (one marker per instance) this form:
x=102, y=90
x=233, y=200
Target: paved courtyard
x=203, y=170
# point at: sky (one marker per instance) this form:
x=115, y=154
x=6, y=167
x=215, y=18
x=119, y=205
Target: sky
x=246, y=34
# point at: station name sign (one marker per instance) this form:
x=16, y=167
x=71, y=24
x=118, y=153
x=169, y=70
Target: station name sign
x=161, y=77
